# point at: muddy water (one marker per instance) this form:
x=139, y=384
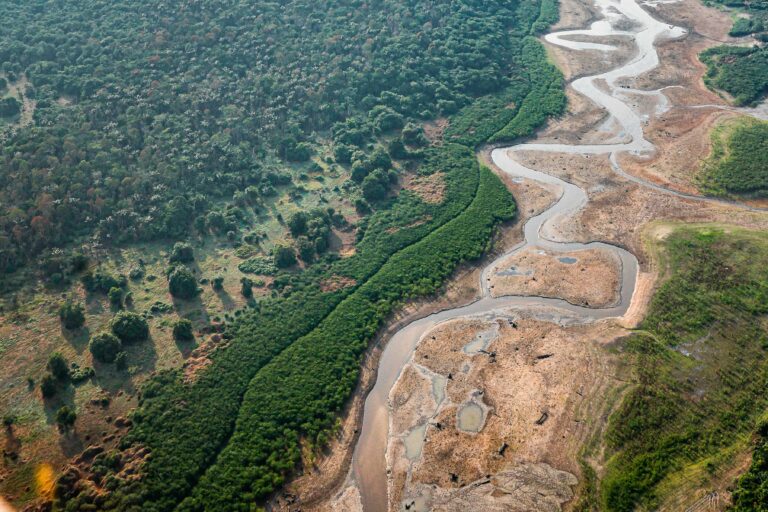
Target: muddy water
x=369, y=463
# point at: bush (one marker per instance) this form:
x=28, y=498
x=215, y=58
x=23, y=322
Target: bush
x=65, y=418
x=182, y=283
x=130, y=327
x=182, y=330
x=182, y=253
x=246, y=287
x=72, y=315
x=105, y=346
x=58, y=367
x=115, y=296
x=217, y=283
x=284, y=256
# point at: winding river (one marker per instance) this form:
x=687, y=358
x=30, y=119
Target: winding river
x=369, y=462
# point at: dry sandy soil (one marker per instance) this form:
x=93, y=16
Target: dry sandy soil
x=586, y=278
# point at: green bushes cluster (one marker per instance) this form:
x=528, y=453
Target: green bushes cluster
x=740, y=71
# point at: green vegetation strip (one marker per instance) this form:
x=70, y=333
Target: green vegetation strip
x=701, y=365
x=751, y=493
x=738, y=163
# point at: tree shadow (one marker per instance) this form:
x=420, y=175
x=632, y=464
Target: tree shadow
x=78, y=338
x=186, y=347
x=65, y=395
x=12, y=443
x=192, y=309
x=226, y=299
x=141, y=358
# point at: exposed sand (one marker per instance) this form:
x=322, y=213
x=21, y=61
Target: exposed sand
x=588, y=278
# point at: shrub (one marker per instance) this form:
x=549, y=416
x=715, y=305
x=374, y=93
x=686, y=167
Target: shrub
x=130, y=327
x=72, y=315
x=284, y=256
x=182, y=283
x=105, y=346
x=115, y=296
x=182, y=330
x=217, y=283
x=65, y=418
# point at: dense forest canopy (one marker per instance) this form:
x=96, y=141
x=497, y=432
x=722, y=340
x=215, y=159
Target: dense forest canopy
x=147, y=115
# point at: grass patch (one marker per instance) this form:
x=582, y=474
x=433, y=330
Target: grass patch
x=738, y=163
x=701, y=365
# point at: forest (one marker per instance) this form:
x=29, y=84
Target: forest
x=150, y=118
x=185, y=122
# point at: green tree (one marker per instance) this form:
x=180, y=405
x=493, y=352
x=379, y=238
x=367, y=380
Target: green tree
x=284, y=256
x=48, y=386
x=246, y=287
x=105, y=346
x=182, y=283
x=182, y=330
x=72, y=315
x=298, y=223
x=129, y=327
x=115, y=296
x=182, y=253
x=58, y=366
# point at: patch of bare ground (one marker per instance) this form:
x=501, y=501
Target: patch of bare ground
x=535, y=378
x=434, y=130
x=588, y=62
x=336, y=282
x=429, y=188
x=324, y=485
x=589, y=278
x=583, y=123
x=574, y=15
